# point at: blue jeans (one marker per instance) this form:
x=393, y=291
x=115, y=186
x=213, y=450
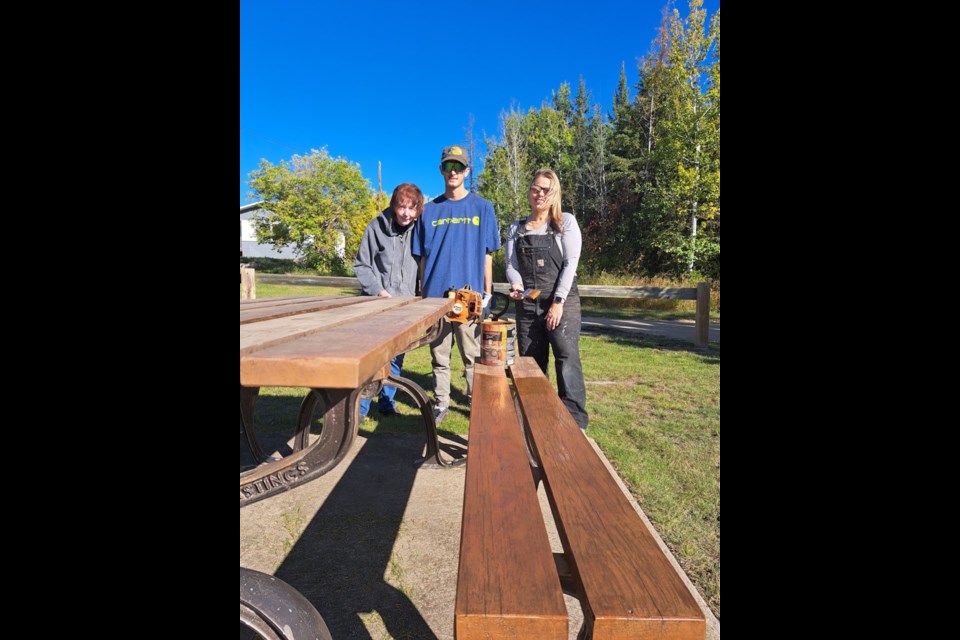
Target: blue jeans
x=385, y=401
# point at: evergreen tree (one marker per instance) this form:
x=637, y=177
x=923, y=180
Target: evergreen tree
x=581, y=145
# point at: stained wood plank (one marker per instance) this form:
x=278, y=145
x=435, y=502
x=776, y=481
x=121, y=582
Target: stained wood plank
x=271, y=302
x=507, y=584
x=703, y=316
x=312, y=281
x=291, y=309
x=630, y=588
x=260, y=335
x=344, y=353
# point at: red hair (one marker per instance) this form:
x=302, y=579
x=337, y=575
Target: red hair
x=408, y=191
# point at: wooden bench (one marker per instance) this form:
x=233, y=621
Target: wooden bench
x=507, y=585
x=626, y=585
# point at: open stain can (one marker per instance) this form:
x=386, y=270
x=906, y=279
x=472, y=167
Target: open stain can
x=497, y=340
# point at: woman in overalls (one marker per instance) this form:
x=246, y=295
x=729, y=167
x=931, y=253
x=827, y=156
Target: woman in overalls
x=542, y=252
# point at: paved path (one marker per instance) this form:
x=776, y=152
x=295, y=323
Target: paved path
x=676, y=329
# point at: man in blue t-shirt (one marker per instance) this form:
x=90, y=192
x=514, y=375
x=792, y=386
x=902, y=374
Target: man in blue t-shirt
x=453, y=241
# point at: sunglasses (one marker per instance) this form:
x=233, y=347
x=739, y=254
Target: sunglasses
x=539, y=190
x=453, y=166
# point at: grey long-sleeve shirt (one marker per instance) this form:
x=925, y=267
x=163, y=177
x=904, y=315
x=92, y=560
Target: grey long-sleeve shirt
x=570, y=242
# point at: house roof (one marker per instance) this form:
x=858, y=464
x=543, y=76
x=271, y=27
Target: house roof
x=250, y=207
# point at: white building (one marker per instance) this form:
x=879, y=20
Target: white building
x=249, y=247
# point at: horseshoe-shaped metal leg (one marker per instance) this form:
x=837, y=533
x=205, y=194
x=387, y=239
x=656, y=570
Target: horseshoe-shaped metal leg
x=248, y=397
x=300, y=467
x=302, y=438
x=432, y=459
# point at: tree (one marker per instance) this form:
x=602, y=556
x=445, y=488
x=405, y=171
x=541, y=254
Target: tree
x=506, y=169
x=664, y=165
x=471, y=154
x=689, y=182
x=318, y=204
x=595, y=163
x=581, y=143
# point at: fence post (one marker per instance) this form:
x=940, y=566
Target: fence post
x=248, y=284
x=702, y=328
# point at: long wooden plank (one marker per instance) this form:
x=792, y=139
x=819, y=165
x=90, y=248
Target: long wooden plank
x=260, y=335
x=507, y=584
x=343, y=355
x=630, y=588
x=312, y=281
x=279, y=311
x=273, y=302
x=600, y=291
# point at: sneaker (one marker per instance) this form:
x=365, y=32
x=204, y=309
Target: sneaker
x=386, y=413
x=439, y=413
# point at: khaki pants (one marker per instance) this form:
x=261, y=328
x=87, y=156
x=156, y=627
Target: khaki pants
x=468, y=341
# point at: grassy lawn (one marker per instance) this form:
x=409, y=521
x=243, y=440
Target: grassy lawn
x=654, y=409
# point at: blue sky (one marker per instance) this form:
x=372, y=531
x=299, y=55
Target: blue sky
x=395, y=82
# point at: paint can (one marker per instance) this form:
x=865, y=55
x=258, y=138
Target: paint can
x=497, y=340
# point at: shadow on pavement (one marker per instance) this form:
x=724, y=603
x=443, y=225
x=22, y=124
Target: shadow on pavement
x=340, y=560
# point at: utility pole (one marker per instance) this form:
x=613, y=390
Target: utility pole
x=379, y=186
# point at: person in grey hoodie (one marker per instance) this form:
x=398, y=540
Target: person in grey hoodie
x=385, y=267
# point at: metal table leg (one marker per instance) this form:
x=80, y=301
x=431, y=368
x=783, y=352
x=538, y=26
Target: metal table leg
x=432, y=459
x=248, y=398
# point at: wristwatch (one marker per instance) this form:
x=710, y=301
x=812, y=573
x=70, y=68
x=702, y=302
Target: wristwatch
x=557, y=300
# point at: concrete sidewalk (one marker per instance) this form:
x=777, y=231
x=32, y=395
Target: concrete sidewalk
x=374, y=544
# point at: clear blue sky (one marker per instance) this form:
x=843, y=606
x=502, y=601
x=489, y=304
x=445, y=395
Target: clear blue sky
x=395, y=82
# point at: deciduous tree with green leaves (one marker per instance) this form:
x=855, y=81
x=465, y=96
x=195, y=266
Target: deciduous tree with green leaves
x=506, y=169
x=316, y=203
x=665, y=161
x=688, y=187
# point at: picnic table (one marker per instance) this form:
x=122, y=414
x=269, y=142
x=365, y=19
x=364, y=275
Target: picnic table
x=340, y=348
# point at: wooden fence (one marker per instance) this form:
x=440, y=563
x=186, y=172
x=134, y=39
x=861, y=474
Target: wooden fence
x=248, y=283
x=701, y=294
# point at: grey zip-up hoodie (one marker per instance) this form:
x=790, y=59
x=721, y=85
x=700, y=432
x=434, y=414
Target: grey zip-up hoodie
x=384, y=260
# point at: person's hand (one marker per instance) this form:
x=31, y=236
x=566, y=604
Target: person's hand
x=487, y=306
x=554, y=315
x=384, y=294
x=516, y=294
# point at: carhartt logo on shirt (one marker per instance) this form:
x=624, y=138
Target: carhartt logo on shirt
x=475, y=220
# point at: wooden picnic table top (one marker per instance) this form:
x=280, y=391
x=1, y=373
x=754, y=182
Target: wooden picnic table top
x=329, y=342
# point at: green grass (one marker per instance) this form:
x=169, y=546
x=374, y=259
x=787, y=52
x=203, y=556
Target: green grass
x=654, y=409
x=271, y=290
